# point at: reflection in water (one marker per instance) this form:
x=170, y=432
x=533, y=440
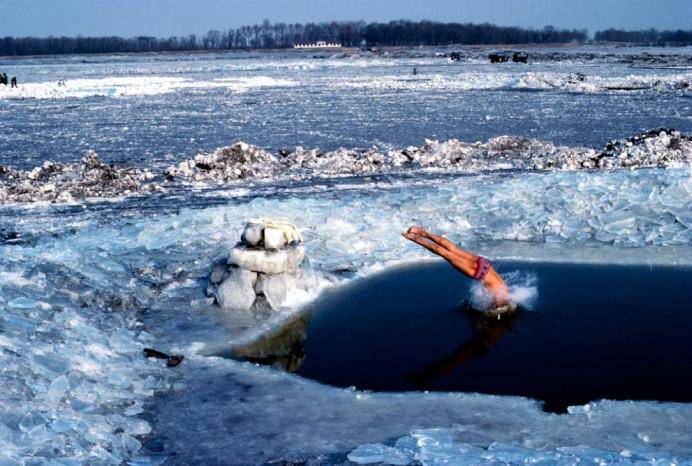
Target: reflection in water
x=487, y=332
x=403, y=330
x=282, y=347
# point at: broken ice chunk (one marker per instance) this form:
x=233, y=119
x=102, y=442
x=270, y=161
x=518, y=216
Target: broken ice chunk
x=32, y=420
x=259, y=260
x=23, y=303
x=252, y=234
x=276, y=287
x=377, y=453
x=238, y=290
x=274, y=238
x=618, y=222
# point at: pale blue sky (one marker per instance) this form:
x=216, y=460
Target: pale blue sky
x=180, y=17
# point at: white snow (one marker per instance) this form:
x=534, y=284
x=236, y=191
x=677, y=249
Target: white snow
x=489, y=79
x=135, y=86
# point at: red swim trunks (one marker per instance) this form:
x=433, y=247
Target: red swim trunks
x=482, y=268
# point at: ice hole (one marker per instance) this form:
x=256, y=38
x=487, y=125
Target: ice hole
x=594, y=332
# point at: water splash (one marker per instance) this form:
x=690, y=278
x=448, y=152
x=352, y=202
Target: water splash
x=523, y=291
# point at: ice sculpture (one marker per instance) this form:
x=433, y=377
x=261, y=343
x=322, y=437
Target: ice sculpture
x=263, y=268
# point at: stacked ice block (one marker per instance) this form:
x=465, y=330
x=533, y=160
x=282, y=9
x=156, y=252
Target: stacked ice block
x=262, y=268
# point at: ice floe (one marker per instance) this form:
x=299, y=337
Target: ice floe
x=134, y=86
x=73, y=306
x=284, y=419
x=527, y=81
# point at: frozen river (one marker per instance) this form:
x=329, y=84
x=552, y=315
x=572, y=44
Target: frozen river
x=99, y=261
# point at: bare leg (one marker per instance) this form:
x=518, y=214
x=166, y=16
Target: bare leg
x=462, y=260
x=465, y=265
x=463, y=257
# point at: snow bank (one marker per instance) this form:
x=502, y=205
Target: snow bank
x=656, y=148
x=526, y=81
x=659, y=148
x=55, y=182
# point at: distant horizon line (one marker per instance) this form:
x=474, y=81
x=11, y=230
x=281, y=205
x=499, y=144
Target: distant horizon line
x=361, y=21
x=347, y=34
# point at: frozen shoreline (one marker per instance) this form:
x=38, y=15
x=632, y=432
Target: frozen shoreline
x=583, y=51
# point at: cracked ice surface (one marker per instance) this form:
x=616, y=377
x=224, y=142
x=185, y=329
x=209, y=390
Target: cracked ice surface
x=359, y=227
x=80, y=301
x=282, y=417
x=72, y=376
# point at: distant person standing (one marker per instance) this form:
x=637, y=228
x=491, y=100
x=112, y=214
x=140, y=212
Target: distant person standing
x=14, y=82
x=415, y=71
x=3, y=79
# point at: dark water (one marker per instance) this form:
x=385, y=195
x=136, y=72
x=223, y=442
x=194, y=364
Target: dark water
x=613, y=332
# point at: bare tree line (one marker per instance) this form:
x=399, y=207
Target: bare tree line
x=348, y=33
x=646, y=37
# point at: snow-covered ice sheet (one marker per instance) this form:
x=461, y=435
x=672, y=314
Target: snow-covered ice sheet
x=261, y=415
x=90, y=287
x=527, y=81
x=86, y=284
x=134, y=86
x=154, y=110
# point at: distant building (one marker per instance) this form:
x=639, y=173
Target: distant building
x=320, y=44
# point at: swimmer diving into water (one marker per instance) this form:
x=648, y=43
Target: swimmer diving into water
x=475, y=267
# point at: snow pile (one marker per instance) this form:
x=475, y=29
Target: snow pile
x=55, y=182
x=263, y=269
x=662, y=147
x=656, y=148
x=237, y=162
x=134, y=86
